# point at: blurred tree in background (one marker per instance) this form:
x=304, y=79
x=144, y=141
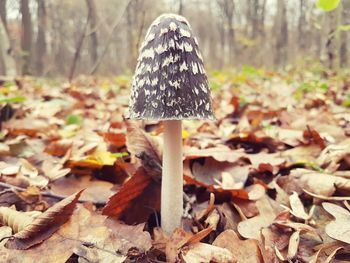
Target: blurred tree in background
x=65, y=38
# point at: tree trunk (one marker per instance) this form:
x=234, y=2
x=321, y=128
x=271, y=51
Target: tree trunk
x=281, y=29
x=227, y=7
x=41, y=39
x=26, y=36
x=345, y=36
x=2, y=52
x=6, y=42
x=181, y=7
x=332, y=46
x=93, y=28
x=302, y=38
x=255, y=18
x=262, y=18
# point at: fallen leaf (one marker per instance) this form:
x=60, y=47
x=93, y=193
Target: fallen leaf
x=14, y=219
x=85, y=234
x=138, y=141
x=220, y=154
x=128, y=192
x=97, y=191
x=29, y=126
x=202, y=252
x=116, y=139
x=45, y=224
x=313, y=137
x=232, y=193
x=251, y=227
x=297, y=208
x=293, y=245
x=318, y=183
x=340, y=228
x=243, y=251
x=132, y=236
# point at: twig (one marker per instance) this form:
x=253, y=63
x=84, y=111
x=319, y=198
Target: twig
x=49, y=194
x=77, y=51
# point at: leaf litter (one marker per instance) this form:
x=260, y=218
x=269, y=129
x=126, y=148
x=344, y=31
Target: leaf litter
x=266, y=182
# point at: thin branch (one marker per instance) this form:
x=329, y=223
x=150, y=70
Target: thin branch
x=108, y=41
x=78, y=49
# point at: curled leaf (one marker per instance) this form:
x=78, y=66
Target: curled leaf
x=14, y=219
x=45, y=224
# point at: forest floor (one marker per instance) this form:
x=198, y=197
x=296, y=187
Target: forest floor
x=268, y=181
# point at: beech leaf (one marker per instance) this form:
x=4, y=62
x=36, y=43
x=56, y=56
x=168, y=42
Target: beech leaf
x=44, y=225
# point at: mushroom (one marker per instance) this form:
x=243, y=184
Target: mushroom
x=170, y=84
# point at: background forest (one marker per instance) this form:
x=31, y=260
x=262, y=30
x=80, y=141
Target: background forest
x=66, y=38
x=267, y=181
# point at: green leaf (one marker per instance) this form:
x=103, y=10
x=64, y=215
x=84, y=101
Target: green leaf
x=346, y=102
x=327, y=5
x=249, y=70
x=344, y=27
x=73, y=119
x=324, y=86
x=12, y=100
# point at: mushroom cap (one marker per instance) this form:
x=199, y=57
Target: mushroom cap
x=170, y=82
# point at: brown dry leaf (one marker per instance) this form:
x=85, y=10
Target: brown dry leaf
x=144, y=205
x=293, y=245
x=272, y=240
x=243, y=251
x=331, y=156
x=58, y=148
x=138, y=142
x=54, y=171
x=340, y=228
x=297, y=208
x=307, y=154
x=329, y=259
x=29, y=126
x=318, y=183
x=132, y=236
x=45, y=224
x=313, y=137
x=174, y=244
x=205, y=253
x=199, y=236
x=260, y=159
x=253, y=142
x=295, y=226
x=128, y=192
x=116, y=139
x=219, y=153
x=212, y=172
x=95, y=190
x=251, y=227
x=232, y=193
x=329, y=198
x=84, y=234
x=177, y=242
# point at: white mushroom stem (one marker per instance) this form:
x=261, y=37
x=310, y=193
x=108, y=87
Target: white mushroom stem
x=172, y=177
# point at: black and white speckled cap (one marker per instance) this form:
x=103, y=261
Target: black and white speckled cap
x=170, y=82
